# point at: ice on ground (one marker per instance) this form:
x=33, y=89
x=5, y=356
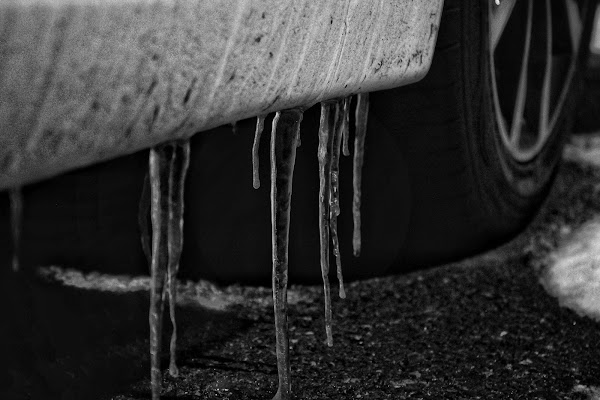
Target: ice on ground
x=591, y=392
x=573, y=273
x=202, y=293
x=583, y=148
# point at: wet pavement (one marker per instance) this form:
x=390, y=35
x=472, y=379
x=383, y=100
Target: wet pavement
x=481, y=328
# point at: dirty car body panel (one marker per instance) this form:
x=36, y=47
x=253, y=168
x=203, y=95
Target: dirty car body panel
x=86, y=81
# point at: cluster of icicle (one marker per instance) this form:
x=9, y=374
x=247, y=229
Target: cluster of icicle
x=334, y=136
x=168, y=164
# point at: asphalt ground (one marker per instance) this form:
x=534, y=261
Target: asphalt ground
x=481, y=328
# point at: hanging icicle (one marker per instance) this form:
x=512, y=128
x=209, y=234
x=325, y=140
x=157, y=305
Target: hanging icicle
x=159, y=177
x=260, y=124
x=362, y=114
x=178, y=170
x=284, y=141
x=326, y=134
x=346, y=125
x=16, y=222
x=168, y=164
x=334, y=197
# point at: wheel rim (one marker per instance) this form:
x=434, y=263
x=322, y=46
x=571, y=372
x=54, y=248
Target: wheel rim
x=529, y=90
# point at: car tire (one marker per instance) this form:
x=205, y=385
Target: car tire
x=472, y=194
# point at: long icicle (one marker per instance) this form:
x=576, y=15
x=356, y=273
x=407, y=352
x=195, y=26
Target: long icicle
x=362, y=114
x=160, y=172
x=284, y=140
x=326, y=133
x=260, y=125
x=16, y=222
x=346, y=125
x=334, y=197
x=178, y=170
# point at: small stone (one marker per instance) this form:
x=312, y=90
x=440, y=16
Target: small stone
x=416, y=374
x=403, y=383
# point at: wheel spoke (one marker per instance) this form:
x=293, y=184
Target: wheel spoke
x=500, y=15
x=545, y=100
x=575, y=24
x=517, y=121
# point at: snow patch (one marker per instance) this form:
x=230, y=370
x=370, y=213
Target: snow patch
x=202, y=293
x=592, y=392
x=573, y=273
x=583, y=148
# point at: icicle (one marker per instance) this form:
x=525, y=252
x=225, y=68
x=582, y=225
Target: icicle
x=16, y=221
x=143, y=209
x=334, y=198
x=159, y=177
x=260, y=124
x=284, y=140
x=326, y=134
x=168, y=165
x=178, y=170
x=362, y=113
x=346, y=125
x=234, y=128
